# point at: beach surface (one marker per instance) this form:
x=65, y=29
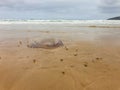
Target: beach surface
x=89, y=59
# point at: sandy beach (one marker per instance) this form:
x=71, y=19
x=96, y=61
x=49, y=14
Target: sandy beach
x=89, y=59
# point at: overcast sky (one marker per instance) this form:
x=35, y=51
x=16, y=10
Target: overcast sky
x=59, y=9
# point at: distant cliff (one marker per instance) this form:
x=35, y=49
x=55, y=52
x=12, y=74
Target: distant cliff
x=114, y=18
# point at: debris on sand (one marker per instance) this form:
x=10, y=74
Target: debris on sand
x=63, y=72
x=85, y=64
x=66, y=48
x=46, y=43
x=76, y=50
x=34, y=60
x=20, y=42
x=75, y=54
x=98, y=58
x=61, y=60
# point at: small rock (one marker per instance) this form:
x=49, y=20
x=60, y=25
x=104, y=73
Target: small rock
x=66, y=48
x=20, y=42
x=85, y=65
x=61, y=60
x=76, y=50
x=34, y=60
x=63, y=72
x=98, y=58
x=75, y=54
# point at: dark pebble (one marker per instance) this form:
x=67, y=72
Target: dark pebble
x=34, y=60
x=63, y=72
x=61, y=60
x=85, y=65
x=66, y=48
x=20, y=42
x=98, y=58
x=75, y=54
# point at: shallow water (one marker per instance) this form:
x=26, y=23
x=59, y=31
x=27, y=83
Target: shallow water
x=72, y=31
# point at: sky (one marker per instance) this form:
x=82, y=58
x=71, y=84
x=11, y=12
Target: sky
x=59, y=9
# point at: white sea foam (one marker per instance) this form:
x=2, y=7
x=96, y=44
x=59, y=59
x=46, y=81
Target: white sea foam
x=69, y=22
x=72, y=29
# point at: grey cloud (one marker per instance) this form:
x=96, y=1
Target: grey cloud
x=34, y=5
x=110, y=2
x=67, y=9
x=111, y=9
x=110, y=6
x=46, y=5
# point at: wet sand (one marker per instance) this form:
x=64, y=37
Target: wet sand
x=82, y=64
